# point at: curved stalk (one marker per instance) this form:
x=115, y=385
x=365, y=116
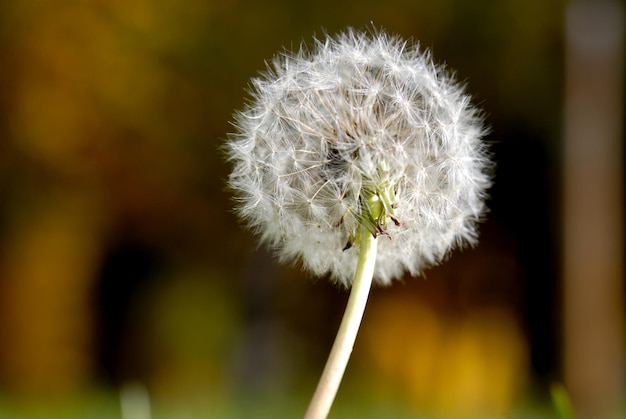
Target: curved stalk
x=342, y=347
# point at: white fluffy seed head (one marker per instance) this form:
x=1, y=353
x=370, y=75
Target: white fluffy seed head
x=359, y=114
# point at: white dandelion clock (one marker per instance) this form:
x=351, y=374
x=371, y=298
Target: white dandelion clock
x=359, y=155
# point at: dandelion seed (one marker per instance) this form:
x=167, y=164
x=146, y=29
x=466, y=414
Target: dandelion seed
x=355, y=117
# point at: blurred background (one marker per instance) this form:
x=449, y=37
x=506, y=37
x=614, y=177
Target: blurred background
x=128, y=288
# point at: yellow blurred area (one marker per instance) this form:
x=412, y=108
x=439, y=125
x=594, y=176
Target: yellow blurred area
x=472, y=366
x=49, y=261
x=86, y=75
x=91, y=156
x=125, y=277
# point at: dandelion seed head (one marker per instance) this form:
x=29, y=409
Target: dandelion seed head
x=359, y=114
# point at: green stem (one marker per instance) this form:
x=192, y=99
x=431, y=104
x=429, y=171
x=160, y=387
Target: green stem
x=342, y=348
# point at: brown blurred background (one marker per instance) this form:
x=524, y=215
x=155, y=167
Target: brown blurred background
x=124, y=276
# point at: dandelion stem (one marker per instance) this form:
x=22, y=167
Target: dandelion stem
x=342, y=347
